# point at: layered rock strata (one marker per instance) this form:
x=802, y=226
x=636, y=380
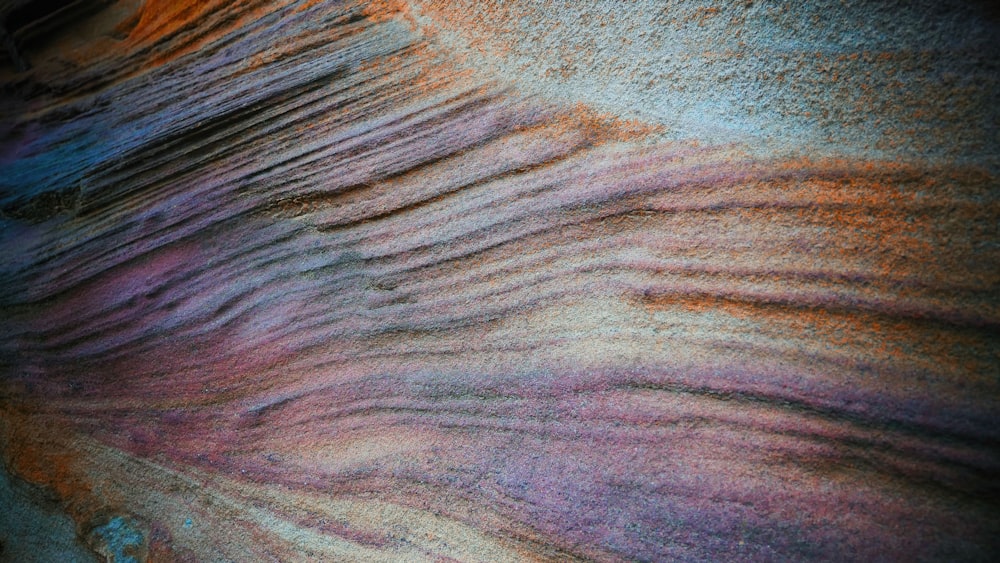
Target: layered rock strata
x=319, y=280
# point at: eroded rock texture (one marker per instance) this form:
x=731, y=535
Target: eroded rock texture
x=502, y=281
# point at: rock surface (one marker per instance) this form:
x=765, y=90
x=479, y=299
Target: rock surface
x=487, y=281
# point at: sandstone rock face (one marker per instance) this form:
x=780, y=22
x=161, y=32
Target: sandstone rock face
x=498, y=281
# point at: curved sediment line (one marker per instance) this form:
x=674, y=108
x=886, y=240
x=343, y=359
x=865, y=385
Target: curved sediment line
x=357, y=295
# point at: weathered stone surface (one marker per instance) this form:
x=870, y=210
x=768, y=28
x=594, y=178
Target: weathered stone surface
x=486, y=281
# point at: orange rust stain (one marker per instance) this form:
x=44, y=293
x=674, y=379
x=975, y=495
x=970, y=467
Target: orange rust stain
x=36, y=450
x=162, y=17
x=189, y=25
x=600, y=127
x=307, y=4
x=487, y=18
x=381, y=10
x=857, y=334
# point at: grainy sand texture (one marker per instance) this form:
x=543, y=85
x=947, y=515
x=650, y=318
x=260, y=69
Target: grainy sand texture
x=531, y=280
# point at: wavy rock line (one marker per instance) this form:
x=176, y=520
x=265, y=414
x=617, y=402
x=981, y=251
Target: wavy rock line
x=290, y=283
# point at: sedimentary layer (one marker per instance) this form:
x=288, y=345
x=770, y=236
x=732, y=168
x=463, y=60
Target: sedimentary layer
x=300, y=281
